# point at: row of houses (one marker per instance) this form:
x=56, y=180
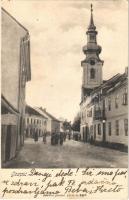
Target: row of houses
x=16, y=72
x=104, y=103
x=38, y=119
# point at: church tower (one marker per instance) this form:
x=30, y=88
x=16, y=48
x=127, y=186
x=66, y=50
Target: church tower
x=92, y=65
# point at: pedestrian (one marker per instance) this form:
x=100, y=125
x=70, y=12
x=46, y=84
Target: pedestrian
x=69, y=135
x=61, y=138
x=64, y=136
x=56, y=138
x=44, y=137
x=52, y=138
x=36, y=136
x=91, y=140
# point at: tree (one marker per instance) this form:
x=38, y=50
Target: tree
x=76, y=123
x=66, y=126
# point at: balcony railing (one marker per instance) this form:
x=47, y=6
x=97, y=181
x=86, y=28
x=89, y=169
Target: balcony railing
x=99, y=115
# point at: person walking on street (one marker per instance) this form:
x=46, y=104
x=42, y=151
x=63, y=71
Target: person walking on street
x=69, y=135
x=64, y=136
x=44, y=137
x=36, y=135
x=56, y=138
x=61, y=138
x=52, y=138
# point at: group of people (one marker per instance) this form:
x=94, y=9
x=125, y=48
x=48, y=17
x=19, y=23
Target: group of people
x=36, y=136
x=58, y=138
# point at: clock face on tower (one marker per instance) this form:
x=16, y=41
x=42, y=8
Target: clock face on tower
x=92, y=62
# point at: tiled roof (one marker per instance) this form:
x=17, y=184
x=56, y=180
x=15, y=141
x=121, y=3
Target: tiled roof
x=111, y=84
x=48, y=114
x=32, y=111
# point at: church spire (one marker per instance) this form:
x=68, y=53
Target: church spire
x=92, y=64
x=91, y=25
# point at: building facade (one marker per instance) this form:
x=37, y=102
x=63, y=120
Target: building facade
x=103, y=106
x=53, y=124
x=34, y=122
x=15, y=70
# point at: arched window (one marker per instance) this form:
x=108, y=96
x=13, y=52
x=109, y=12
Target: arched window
x=92, y=73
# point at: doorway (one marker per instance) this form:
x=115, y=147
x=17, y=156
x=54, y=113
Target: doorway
x=104, y=132
x=8, y=143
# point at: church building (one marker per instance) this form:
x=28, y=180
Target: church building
x=103, y=104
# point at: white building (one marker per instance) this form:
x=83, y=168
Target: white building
x=16, y=72
x=103, y=104
x=53, y=124
x=34, y=121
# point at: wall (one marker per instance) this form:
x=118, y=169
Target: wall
x=11, y=35
x=114, y=114
x=8, y=136
x=10, y=58
x=87, y=81
x=121, y=138
x=32, y=124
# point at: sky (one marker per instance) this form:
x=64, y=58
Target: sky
x=58, y=32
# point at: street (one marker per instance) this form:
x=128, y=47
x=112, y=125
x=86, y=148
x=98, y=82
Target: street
x=72, y=154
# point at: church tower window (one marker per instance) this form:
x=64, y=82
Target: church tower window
x=92, y=73
x=92, y=37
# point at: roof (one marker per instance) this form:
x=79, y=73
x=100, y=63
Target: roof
x=48, y=114
x=113, y=83
x=14, y=19
x=109, y=85
x=32, y=111
x=7, y=106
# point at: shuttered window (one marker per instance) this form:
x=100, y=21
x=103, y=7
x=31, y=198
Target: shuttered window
x=126, y=126
x=117, y=127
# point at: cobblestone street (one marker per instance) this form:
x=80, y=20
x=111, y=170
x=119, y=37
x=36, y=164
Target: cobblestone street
x=71, y=154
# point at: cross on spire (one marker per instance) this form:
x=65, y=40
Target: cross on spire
x=91, y=8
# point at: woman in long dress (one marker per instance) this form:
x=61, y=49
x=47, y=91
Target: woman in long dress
x=36, y=136
x=44, y=137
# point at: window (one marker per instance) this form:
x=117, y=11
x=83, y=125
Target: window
x=89, y=113
x=109, y=104
x=92, y=37
x=92, y=73
x=82, y=115
x=95, y=129
x=92, y=62
x=27, y=120
x=117, y=127
x=125, y=97
x=116, y=101
x=91, y=129
x=109, y=128
x=31, y=121
x=99, y=129
x=126, y=126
